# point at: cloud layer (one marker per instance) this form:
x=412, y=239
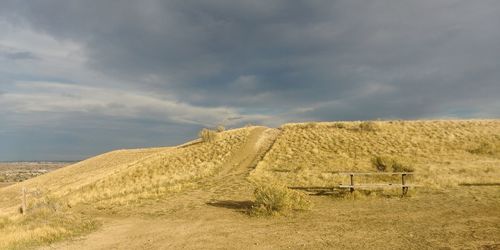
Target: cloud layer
x=191, y=64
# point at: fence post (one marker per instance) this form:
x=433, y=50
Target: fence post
x=352, y=183
x=404, y=189
x=23, y=201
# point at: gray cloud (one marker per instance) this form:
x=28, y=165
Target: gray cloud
x=18, y=55
x=12, y=54
x=276, y=61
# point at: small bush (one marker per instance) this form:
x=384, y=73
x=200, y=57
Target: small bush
x=221, y=128
x=485, y=148
x=368, y=126
x=207, y=135
x=387, y=164
x=400, y=167
x=339, y=125
x=273, y=199
x=382, y=163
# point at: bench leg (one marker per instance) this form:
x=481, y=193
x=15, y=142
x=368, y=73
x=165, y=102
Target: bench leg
x=352, y=184
x=404, y=189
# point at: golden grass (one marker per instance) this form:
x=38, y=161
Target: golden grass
x=162, y=173
x=76, y=176
x=275, y=199
x=443, y=153
x=47, y=221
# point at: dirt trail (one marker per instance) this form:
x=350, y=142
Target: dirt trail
x=180, y=217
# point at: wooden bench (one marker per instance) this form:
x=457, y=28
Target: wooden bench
x=352, y=186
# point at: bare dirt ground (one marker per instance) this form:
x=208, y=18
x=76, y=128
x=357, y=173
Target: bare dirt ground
x=213, y=215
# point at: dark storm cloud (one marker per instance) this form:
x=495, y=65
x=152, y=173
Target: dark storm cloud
x=289, y=60
x=294, y=53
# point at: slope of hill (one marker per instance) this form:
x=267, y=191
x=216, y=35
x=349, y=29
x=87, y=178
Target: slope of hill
x=79, y=174
x=443, y=153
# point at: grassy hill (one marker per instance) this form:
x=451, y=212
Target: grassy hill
x=442, y=154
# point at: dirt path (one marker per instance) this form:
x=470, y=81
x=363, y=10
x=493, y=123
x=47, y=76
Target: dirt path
x=182, y=215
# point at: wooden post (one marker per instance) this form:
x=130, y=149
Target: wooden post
x=352, y=183
x=403, y=184
x=23, y=201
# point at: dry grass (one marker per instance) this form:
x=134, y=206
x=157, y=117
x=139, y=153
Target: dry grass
x=161, y=173
x=443, y=153
x=208, y=135
x=388, y=164
x=126, y=175
x=47, y=220
x=274, y=199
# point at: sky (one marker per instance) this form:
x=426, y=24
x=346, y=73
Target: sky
x=78, y=78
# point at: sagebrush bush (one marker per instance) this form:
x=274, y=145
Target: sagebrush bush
x=485, y=148
x=221, y=128
x=272, y=199
x=208, y=135
x=382, y=163
x=368, y=126
x=387, y=164
x=339, y=125
x=401, y=167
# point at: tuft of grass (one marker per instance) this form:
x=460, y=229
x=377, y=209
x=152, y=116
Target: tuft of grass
x=338, y=125
x=382, y=163
x=220, y=128
x=368, y=126
x=485, y=148
x=208, y=135
x=401, y=167
x=275, y=199
x=387, y=164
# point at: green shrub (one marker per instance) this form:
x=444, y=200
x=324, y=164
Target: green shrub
x=207, y=135
x=273, y=199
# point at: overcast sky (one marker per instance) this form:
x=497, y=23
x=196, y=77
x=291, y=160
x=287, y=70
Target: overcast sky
x=81, y=77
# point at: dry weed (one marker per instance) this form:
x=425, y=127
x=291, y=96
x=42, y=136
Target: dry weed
x=274, y=199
